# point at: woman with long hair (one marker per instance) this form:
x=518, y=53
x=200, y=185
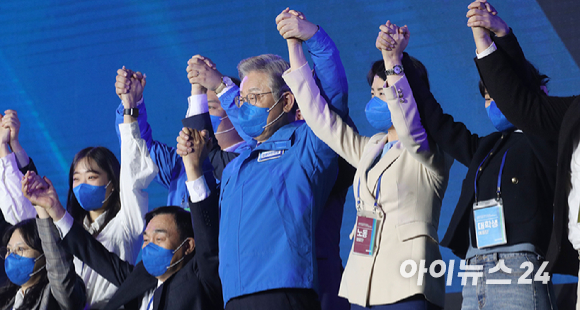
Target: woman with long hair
x=106, y=197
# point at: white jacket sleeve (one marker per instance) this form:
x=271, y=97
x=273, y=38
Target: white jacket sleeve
x=137, y=172
x=574, y=200
x=325, y=123
x=13, y=204
x=407, y=122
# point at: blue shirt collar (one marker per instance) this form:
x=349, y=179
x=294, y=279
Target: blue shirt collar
x=280, y=140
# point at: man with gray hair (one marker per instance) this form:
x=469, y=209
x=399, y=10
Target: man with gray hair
x=273, y=193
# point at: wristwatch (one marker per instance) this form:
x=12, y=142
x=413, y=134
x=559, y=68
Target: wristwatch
x=397, y=69
x=226, y=82
x=132, y=112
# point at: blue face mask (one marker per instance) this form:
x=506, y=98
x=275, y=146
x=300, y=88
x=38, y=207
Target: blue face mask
x=378, y=114
x=19, y=269
x=253, y=119
x=215, y=122
x=91, y=197
x=497, y=118
x=157, y=259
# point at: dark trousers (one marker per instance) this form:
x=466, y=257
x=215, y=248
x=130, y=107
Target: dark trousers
x=279, y=299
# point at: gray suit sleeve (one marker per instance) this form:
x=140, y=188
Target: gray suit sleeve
x=65, y=286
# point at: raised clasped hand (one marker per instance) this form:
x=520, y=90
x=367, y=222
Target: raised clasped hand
x=4, y=132
x=129, y=86
x=202, y=74
x=39, y=191
x=294, y=27
x=193, y=146
x=10, y=120
x=483, y=16
x=392, y=40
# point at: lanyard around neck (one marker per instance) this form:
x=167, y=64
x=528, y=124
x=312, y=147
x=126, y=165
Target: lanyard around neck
x=377, y=192
x=498, y=190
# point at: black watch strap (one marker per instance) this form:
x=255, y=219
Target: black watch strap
x=132, y=112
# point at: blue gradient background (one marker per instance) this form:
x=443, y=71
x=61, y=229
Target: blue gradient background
x=59, y=59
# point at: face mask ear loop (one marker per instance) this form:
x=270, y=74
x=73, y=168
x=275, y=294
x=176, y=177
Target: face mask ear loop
x=109, y=194
x=224, y=131
x=270, y=109
x=179, y=261
x=39, y=269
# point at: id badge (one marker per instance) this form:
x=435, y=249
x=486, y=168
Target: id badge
x=489, y=223
x=269, y=155
x=367, y=224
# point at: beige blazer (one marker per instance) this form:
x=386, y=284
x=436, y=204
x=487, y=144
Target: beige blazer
x=415, y=174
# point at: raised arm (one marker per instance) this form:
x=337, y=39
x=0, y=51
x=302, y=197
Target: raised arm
x=401, y=103
x=203, y=75
x=329, y=72
x=15, y=207
x=204, y=208
x=324, y=122
x=66, y=287
x=453, y=137
x=75, y=239
x=137, y=168
x=520, y=99
x=164, y=156
x=10, y=120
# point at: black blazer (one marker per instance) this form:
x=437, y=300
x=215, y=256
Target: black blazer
x=195, y=286
x=527, y=180
x=555, y=118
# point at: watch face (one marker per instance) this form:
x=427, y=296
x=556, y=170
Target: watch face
x=397, y=69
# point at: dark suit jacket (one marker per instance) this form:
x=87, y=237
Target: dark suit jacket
x=527, y=180
x=555, y=118
x=195, y=286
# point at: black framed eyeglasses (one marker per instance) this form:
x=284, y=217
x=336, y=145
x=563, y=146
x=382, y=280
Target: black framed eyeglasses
x=251, y=98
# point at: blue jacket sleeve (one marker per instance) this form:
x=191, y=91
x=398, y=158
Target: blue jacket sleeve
x=329, y=72
x=165, y=157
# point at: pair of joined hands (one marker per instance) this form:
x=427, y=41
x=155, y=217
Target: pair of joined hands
x=41, y=193
x=9, y=127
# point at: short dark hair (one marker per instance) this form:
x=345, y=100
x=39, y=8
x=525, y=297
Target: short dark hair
x=536, y=79
x=181, y=217
x=378, y=68
x=107, y=161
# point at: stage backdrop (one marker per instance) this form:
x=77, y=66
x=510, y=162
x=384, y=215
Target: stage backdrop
x=59, y=59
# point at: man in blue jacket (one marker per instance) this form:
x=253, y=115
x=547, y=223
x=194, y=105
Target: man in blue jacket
x=273, y=193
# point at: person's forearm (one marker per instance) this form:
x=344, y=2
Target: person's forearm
x=390, y=61
x=296, y=54
x=482, y=40
x=4, y=150
x=129, y=119
x=56, y=212
x=193, y=171
x=21, y=156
